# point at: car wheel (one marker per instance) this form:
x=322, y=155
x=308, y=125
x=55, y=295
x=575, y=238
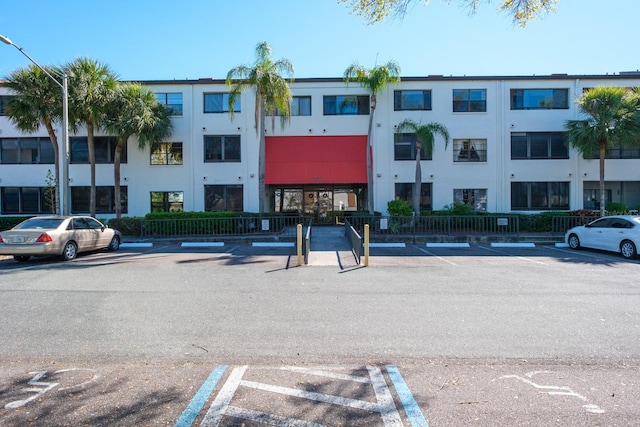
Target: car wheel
x=628, y=249
x=574, y=242
x=21, y=258
x=115, y=244
x=70, y=251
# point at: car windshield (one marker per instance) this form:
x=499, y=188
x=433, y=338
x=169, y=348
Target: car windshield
x=32, y=223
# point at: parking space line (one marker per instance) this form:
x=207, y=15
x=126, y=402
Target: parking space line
x=411, y=408
x=310, y=395
x=328, y=374
x=390, y=415
x=221, y=403
x=434, y=255
x=270, y=419
x=198, y=401
x=515, y=256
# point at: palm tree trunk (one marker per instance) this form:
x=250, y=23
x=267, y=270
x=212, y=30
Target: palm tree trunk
x=116, y=179
x=56, y=151
x=603, y=153
x=417, y=188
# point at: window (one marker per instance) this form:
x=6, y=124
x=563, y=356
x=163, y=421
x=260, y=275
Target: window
x=26, y=151
x=539, y=195
x=166, y=153
x=27, y=200
x=404, y=191
x=407, y=100
x=342, y=105
x=538, y=145
x=469, y=150
x=105, y=148
x=469, y=100
x=167, y=201
x=223, y=198
x=591, y=198
x=539, y=99
x=301, y=106
x=222, y=148
x=476, y=198
x=617, y=152
x=404, y=147
x=105, y=199
x=171, y=100
x=219, y=103
x=3, y=104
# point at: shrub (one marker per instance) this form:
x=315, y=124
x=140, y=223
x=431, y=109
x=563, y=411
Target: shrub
x=129, y=226
x=617, y=208
x=399, y=207
x=459, y=208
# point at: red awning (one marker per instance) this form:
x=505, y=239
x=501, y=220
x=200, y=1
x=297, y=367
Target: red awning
x=316, y=160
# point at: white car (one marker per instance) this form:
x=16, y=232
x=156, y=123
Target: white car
x=617, y=233
x=57, y=235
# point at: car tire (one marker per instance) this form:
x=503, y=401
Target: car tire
x=574, y=241
x=114, y=245
x=628, y=249
x=21, y=258
x=70, y=251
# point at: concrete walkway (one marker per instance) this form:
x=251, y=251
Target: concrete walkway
x=329, y=246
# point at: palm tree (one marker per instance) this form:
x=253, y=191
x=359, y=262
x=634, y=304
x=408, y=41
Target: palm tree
x=90, y=92
x=374, y=80
x=37, y=101
x=613, y=118
x=270, y=81
x=134, y=110
x=425, y=137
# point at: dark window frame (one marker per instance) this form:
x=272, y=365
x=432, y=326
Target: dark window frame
x=401, y=102
x=166, y=151
x=105, y=199
x=224, y=103
x=404, y=141
x=404, y=191
x=464, y=101
x=522, y=99
x=341, y=105
x=24, y=198
x=44, y=154
x=166, y=201
x=529, y=146
x=527, y=196
x=105, y=148
x=221, y=193
x=225, y=150
x=164, y=98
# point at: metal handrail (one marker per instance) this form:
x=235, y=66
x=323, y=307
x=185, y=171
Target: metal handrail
x=355, y=239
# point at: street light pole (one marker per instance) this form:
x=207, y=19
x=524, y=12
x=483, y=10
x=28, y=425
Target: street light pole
x=63, y=152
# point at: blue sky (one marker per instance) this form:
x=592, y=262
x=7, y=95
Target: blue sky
x=170, y=39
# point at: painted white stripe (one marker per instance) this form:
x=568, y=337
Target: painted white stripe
x=436, y=256
x=273, y=244
x=387, y=245
x=513, y=245
x=201, y=244
x=327, y=374
x=388, y=410
x=448, y=245
x=136, y=245
x=269, y=419
x=561, y=245
x=318, y=397
x=221, y=403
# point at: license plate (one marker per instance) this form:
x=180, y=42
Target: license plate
x=18, y=239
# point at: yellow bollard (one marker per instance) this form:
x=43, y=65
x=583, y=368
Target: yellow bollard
x=366, y=245
x=299, y=239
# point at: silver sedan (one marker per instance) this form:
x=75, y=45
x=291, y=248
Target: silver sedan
x=616, y=233
x=64, y=236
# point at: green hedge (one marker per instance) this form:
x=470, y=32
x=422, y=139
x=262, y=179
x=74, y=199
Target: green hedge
x=7, y=222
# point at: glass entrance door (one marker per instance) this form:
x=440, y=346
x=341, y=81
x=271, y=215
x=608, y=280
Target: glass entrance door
x=318, y=204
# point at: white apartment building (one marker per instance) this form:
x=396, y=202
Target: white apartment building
x=506, y=154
